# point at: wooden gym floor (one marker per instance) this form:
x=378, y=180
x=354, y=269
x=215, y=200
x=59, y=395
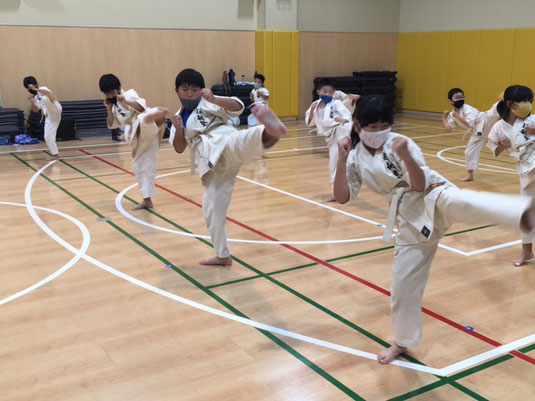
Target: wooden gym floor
x=103, y=325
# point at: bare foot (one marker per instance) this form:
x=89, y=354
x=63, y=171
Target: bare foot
x=145, y=204
x=52, y=158
x=216, y=261
x=469, y=177
x=389, y=354
x=274, y=128
x=331, y=199
x=523, y=259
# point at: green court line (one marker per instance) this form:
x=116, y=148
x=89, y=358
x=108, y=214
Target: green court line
x=299, y=295
x=114, y=174
x=210, y=293
x=336, y=259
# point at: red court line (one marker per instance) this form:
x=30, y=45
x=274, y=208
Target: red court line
x=332, y=267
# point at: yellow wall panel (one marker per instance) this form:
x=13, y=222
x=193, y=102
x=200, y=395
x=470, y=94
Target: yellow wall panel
x=494, y=66
x=463, y=56
x=407, y=64
x=294, y=110
x=432, y=71
x=277, y=58
x=524, y=58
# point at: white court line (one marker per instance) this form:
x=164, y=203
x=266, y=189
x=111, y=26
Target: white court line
x=298, y=137
x=121, y=209
x=493, y=168
x=485, y=356
x=448, y=370
x=85, y=245
x=79, y=254
x=295, y=150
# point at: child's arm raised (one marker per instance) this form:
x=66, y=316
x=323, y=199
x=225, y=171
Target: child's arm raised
x=225, y=102
x=341, y=188
x=179, y=141
x=416, y=174
x=445, y=122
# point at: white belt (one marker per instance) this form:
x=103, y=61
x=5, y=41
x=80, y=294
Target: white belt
x=193, y=150
x=392, y=213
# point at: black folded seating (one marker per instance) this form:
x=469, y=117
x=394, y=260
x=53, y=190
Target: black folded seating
x=11, y=123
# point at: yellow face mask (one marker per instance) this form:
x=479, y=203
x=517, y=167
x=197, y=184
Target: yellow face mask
x=523, y=110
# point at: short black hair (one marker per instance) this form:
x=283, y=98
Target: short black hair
x=189, y=77
x=260, y=77
x=108, y=83
x=372, y=109
x=453, y=91
x=29, y=81
x=325, y=82
x=513, y=94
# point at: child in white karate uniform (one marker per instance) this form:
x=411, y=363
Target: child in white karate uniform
x=220, y=149
x=259, y=96
x=515, y=133
x=476, y=123
x=144, y=128
x=423, y=203
x=331, y=119
x=43, y=99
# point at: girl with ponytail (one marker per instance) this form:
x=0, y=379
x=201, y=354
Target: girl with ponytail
x=515, y=133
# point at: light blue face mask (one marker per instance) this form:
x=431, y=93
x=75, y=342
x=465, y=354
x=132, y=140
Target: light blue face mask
x=190, y=104
x=326, y=99
x=257, y=85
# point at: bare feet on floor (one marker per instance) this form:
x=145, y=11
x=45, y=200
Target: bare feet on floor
x=469, y=177
x=52, y=158
x=216, y=261
x=523, y=259
x=145, y=204
x=331, y=199
x=389, y=354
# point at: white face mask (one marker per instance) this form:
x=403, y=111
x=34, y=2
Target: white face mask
x=374, y=140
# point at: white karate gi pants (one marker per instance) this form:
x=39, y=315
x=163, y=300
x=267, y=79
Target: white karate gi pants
x=414, y=254
x=243, y=146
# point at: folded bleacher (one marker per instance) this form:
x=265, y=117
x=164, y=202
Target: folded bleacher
x=11, y=123
x=242, y=92
x=366, y=83
x=87, y=117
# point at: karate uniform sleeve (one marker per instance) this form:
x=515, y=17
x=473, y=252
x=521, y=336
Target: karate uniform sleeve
x=115, y=123
x=354, y=181
x=343, y=111
x=418, y=157
x=451, y=121
x=493, y=111
x=263, y=92
x=339, y=95
x=231, y=114
x=495, y=137
x=132, y=96
x=307, y=115
x=471, y=117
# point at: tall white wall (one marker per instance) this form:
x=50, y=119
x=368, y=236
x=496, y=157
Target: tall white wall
x=453, y=15
x=378, y=16
x=170, y=14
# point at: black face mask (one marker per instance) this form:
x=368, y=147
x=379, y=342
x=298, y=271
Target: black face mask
x=112, y=100
x=458, y=103
x=32, y=92
x=190, y=104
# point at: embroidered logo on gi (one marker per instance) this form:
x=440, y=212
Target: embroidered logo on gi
x=331, y=115
x=426, y=232
x=201, y=119
x=524, y=132
x=390, y=166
